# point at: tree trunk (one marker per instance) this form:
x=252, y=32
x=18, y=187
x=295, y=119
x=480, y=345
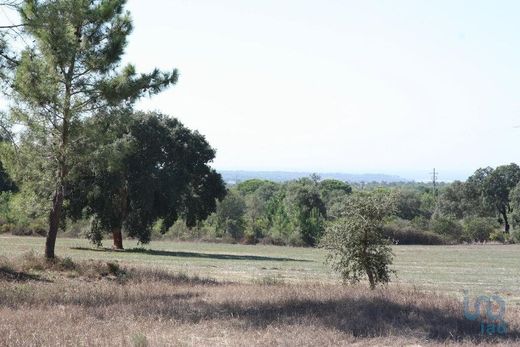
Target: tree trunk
x=54, y=222
x=118, y=238
x=368, y=270
x=117, y=235
x=370, y=278
x=59, y=194
x=506, y=222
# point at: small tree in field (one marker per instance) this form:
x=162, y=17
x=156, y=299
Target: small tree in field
x=356, y=244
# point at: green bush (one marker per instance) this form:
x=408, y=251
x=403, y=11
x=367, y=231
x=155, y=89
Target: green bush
x=498, y=236
x=6, y=228
x=421, y=223
x=76, y=229
x=447, y=227
x=403, y=232
x=514, y=236
x=28, y=230
x=479, y=229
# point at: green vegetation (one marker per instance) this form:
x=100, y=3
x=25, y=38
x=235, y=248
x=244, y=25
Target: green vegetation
x=63, y=83
x=65, y=74
x=356, y=242
x=144, y=168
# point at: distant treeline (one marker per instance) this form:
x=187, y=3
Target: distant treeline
x=237, y=176
x=483, y=208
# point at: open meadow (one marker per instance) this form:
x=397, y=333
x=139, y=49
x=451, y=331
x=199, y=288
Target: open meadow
x=183, y=293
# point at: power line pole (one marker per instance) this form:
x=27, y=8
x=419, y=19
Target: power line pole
x=435, y=175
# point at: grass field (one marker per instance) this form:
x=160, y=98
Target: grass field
x=257, y=295
x=479, y=269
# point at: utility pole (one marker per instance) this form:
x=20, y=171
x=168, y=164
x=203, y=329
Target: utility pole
x=434, y=181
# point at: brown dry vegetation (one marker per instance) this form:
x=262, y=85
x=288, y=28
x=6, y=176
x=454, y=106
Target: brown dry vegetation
x=95, y=303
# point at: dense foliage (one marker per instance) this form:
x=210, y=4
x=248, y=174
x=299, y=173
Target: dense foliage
x=144, y=168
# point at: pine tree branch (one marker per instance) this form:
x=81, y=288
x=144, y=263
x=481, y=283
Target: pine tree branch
x=11, y=60
x=12, y=26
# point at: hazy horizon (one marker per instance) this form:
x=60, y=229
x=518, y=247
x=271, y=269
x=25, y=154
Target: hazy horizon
x=417, y=176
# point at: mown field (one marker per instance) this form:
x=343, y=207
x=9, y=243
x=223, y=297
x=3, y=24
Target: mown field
x=180, y=293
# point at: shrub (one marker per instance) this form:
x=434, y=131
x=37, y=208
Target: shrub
x=514, y=236
x=254, y=231
x=498, y=236
x=179, y=230
x=403, y=232
x=479, y=229
x=447, y=227
x=272, y=240
x=67, y=264
x=422, y=223
x=28, y=230
x=76, y=229
x=6, y=228
x=296, y=239
x=139, y=340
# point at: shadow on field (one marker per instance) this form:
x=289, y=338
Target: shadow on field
x=356, y=312
x=361, y=317
x=192, y=254
x=368, y=318
x=9, y=275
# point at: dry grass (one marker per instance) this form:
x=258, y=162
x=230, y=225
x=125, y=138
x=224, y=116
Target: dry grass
x=94, y=303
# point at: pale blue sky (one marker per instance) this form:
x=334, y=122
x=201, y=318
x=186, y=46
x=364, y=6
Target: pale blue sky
x=395, y=87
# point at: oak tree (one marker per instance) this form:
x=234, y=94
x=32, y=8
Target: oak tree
x=142, y=167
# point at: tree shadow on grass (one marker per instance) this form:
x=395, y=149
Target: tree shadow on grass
x=9, y=275
x=359, y=317
x=372, y=317
x=193, y=254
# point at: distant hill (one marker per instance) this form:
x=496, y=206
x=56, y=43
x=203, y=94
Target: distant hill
x=231, y=176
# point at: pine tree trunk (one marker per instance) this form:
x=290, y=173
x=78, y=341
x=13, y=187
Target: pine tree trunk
x=57, y=200
x=118, y=238
x=54, y=222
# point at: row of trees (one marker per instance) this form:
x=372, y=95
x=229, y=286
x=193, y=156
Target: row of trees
x=297, y=212
x=489, y=192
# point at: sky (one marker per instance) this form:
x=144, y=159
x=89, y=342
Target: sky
x=395, y=87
